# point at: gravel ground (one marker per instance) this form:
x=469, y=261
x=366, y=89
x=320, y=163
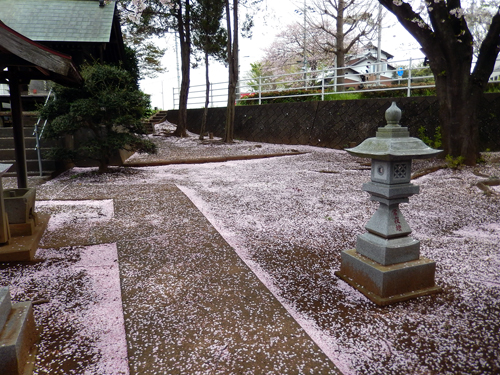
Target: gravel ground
x=290, y=217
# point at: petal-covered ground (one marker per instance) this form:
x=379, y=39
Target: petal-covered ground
x=78, y=308
x=290, y=217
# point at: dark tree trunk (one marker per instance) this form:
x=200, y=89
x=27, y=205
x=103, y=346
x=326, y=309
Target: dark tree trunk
x=459, y=101
x=103, y=165
x=184, y=29
x=232, y=51
x=207, y=98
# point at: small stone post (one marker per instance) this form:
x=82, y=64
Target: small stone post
x=18, y=336
x=4, y=220
x=386, y=265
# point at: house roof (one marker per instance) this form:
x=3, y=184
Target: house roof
x=368, y=54
x=362, y=62
x=59, y=20
x=373, y=49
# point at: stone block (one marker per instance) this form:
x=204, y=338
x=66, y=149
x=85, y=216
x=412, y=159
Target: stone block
x=388, y=222
x=4, y=224
x=389, y=202
x=391, y=172
x=23, y=229
x=388, y=284
x=17, y=339
x=388, y=251
x=19, y=204
x=391, y=191
x=392, y=132
x=5, y=306
x=23, y=248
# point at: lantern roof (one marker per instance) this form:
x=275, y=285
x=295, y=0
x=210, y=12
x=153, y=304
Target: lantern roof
x=393, y=142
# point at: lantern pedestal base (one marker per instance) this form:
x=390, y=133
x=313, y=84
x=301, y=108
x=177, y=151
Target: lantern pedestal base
x=23, y=248
x=385, y=285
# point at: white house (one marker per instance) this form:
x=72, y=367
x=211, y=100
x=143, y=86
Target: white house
x=495, y=75
x=363, y=68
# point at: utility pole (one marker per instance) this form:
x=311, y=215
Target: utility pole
x=379, y=48
x=305, y=38
x=304, y=62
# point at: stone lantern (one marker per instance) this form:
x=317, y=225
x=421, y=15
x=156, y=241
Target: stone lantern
x=386, y=265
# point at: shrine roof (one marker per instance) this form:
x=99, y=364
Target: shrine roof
x=59, y=20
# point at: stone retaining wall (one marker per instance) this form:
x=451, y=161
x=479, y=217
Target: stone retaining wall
x=336, y=124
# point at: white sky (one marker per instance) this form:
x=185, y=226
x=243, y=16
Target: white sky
x=274, y=17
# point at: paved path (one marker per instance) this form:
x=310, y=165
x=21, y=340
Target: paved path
x=190, y=304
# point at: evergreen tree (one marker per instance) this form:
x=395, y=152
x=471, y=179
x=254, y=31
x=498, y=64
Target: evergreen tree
x=210, y=38
x=156, y=18
x=105, y=114
x=233, y=65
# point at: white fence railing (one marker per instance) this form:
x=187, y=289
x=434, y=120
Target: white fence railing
x=406, y=75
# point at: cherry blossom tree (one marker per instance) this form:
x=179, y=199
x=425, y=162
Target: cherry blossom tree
x=286, y=53
x=446, y=39
x=478, y=17
x=346, y=23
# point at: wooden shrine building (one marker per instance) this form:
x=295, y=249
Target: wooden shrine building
x=47, y=40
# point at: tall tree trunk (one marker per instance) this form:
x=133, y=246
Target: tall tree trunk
x=340, y=53
x=207, y=98
x=184, y=29
x=458, y=91
x=232, y=51
x=459, y=101
x=103, y=165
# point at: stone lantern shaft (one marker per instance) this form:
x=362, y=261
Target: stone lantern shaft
x=386, y=265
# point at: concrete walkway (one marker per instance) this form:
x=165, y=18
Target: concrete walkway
x=191, y=306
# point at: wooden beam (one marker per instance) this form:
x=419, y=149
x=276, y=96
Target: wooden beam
x=18, y=128
x=32, y=52
x=8, y=59
x=45, y=72
x=30, y=74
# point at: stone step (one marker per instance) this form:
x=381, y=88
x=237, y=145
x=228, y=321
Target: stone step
x=30, y=118
x=7, y=132
x=158, y=116
x=155, y=119
x=29, y=142
x=48, y=167
x=18, y=334
x=148, y=126
x=7, y=152
x=31, y=153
